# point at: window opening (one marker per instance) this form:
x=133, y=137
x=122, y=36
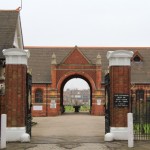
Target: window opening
x=140, y=95
x=38, y=96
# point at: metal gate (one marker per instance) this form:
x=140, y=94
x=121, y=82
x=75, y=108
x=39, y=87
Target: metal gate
x=141, y=114
x=107, y=103
x=28, y=115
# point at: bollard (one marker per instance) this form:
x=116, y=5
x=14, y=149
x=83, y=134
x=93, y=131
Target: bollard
x=130, y=130
x=3, y=131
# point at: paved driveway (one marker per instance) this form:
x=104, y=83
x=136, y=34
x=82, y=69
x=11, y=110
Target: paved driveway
x=80, y=127
x=72, y=131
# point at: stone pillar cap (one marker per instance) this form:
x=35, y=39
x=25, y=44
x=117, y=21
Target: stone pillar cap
x=119, y=53
x=16, y=52
x=119, y=57
x=16, y=56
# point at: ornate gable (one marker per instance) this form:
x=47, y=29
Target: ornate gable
x=76, y=57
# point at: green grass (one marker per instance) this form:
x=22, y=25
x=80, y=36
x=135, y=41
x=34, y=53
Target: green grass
x=146, y=128
x=142, y=128
x=69, y=109
x=83, y=108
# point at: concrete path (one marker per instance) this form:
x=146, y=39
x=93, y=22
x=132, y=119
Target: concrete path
x=70, y=127
x=72, y=124
x=72, y=131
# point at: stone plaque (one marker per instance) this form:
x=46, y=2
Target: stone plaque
x=121, y=100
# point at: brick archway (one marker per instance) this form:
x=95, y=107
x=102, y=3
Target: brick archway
x=63, y=64
x=76, y=65
x=66, y=77
x=72, y=75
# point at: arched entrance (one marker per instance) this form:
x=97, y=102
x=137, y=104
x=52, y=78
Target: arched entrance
x=97, y=106
x=76, y=96
x=76, y=65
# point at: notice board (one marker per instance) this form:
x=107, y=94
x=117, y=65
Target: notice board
x=121, y=100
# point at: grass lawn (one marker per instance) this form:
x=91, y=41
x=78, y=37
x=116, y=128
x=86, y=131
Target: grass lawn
x=83, y=108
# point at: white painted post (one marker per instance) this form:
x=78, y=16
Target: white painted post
x=130, y=130
x=3, y=131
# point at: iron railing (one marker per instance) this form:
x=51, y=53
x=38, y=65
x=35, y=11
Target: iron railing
x=141, y=114
x=28, y=115
x=107, y=103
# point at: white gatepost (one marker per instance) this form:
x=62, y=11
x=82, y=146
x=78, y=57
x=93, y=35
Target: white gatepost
x=3, y=131
x=14, y=57
x=119, y=60
x=130, y=130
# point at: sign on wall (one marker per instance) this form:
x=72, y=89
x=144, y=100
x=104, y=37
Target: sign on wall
x=53, y=104
x=98, y=101
x=121, y=100
x=37, y=107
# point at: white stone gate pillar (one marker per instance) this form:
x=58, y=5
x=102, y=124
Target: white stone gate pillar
x=120, y=80
x=15, y=92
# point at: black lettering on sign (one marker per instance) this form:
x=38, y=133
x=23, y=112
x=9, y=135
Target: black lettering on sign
x=121, y=100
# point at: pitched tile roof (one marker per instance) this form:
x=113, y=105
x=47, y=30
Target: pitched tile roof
x=8, y=22
x=40, y=61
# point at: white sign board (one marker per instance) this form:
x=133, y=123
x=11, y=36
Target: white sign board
x=37, y=107
x=98, y=101
x=53, y=104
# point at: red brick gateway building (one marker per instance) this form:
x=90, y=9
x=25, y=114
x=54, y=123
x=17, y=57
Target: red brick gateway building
x=52, y=67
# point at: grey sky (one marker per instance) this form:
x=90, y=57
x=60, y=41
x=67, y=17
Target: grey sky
x=76, y=83
x=84, y=22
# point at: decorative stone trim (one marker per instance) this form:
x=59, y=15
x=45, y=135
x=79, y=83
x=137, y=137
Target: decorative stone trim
x=53, y=61
x=119, y=57
x=98, y=60
x=16, y=56
x=15, y=134
x=119, y=133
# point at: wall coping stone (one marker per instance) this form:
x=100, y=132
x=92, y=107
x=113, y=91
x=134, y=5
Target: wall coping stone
x=16, y=56
x=119, y=57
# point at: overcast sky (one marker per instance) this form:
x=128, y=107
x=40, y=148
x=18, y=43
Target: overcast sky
x=76, y=83
x=84, y=22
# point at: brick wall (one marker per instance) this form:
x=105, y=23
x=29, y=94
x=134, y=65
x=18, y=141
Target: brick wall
x=15, y=97
x=44, y=108
x=41, y=106
x=75, y=65
x=64, y=69
x=120, y=83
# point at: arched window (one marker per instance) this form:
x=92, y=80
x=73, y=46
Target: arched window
x=38, y=96
x=140, y=95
